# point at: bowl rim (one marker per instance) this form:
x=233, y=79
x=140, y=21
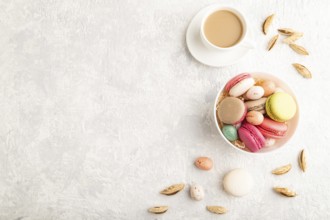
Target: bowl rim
x=293, y=93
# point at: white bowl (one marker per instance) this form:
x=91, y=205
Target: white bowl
x=292, y=124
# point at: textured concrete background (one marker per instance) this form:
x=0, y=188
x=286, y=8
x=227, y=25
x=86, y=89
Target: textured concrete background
x=102, y=106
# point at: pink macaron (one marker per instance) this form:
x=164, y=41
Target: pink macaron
x=251, y=136
x=239, y=84
x=273, y=129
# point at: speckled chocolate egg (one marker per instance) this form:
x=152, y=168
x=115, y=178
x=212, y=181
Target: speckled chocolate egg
x=254, y=93
x=204, y=163
x=269, y=87
x=254, y=117
x=197, y=192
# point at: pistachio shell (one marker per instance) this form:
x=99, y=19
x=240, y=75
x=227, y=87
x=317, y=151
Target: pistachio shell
x=282, y=170
x=286, y=31
x=302, y=161
x=158, y=209
x=172, y=190
x=299, y=49
x=239, y=144
x=272, y=42
x=267, y=23
x=285, y=191
x=216, y=209
x=291, y=39
x=302, y=70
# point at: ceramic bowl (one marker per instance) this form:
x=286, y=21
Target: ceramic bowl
x=292, y=124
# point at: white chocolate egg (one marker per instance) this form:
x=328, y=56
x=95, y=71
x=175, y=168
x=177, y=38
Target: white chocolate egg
x=255, y=92
x=269, y=142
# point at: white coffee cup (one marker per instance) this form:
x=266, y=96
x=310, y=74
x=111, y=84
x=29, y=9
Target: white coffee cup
x=241, y=42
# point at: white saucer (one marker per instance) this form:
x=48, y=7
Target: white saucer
x=205, y=55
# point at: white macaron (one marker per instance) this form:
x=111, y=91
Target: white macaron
x=241, y=87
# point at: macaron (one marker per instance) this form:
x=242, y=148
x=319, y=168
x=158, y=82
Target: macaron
x=231, y=110
x=281, y=107
x=269, y=87
x=273, y=129
x=251, y=136
x=239, y=84
x=230, y=132
x=254, y=93
x=254, y=117
x=238, y=182
x=256, y=105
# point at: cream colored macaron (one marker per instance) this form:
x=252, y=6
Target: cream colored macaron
x=238, y=182
x=241, y=87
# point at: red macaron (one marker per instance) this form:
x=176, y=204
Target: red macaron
x=251, y=137
x=273, y=129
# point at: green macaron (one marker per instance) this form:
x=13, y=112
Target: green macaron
x=281, y=107
x=230, y=132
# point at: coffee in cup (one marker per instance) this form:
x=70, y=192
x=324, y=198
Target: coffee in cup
x=223, y=28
